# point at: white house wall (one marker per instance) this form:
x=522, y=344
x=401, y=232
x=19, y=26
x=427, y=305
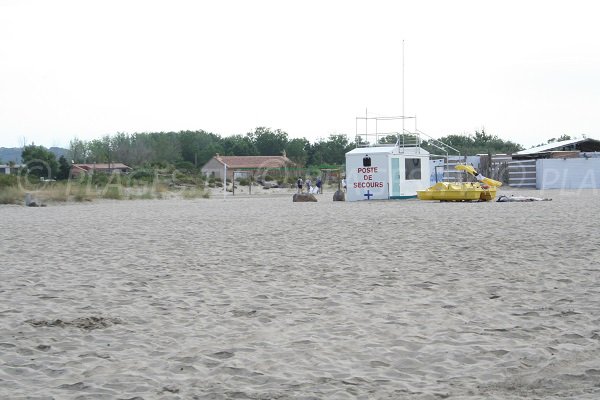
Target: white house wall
x=570, y=173
x=213, y=167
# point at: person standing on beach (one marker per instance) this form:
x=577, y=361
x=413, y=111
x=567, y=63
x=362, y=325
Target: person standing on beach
x=344, y=184
x=319, y=184
x=299, y=184
x=308, y=182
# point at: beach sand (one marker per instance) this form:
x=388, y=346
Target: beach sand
x=262, y=298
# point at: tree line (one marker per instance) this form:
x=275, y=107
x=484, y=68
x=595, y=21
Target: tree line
x=192, y=149
x=196, y=148
x=478, y=143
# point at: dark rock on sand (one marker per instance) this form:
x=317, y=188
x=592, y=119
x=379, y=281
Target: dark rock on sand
x=304, y=198
x=339, y=195
x=31, y=202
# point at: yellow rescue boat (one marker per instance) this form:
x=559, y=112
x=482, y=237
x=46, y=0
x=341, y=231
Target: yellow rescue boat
x=484, y=190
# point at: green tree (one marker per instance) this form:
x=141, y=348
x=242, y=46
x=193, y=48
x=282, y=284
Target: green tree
x=40, y=162
x=402, y=139
x=78, y=151
x=140, y=151
x=389, y=139
x=198, y=147
x=330, y=151
x=99, y=150
x=297, y=151
x=239, y=145
x=561, y=138
x=64, y=168
x=121, y=148
x=267, y=142
x=478, y=143
x=165, y=147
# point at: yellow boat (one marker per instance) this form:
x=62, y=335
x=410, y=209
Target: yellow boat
x=477, y=175
x=465, y=191
x=446, y=191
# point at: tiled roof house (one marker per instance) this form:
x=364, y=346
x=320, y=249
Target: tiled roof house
x=78, y=169
x=250, y=164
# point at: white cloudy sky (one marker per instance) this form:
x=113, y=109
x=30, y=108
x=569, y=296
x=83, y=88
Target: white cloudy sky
x=524, y=70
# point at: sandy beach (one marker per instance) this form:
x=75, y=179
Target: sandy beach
x=261, y=298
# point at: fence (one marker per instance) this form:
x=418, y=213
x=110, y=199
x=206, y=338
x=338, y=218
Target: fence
x=522, y=173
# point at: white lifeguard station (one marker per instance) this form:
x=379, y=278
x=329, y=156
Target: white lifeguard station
x=386, y=164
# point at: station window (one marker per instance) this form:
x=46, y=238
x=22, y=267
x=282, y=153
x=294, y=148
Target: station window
x=366, y=161
x=412, y=168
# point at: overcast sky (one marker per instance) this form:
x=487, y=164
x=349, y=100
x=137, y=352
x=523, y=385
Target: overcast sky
x=524, y=70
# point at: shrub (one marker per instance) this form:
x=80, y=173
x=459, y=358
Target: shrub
x=185, y=166
x=161, y=188
x=187, y=179
x=84, y=193
x=100, y=178
x=160, y=164
x=195, y=194
x=143, y=175
x=142, y=196
x=113, y=192
x=11, y=195
x=8, y=180
x=56, y=192
x=82, y=196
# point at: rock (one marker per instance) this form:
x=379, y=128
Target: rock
x=304, y=198
x=339, y=196
x=270, y=185
x=31, y=202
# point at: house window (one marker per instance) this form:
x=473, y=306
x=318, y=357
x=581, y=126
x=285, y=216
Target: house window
x=412, y=169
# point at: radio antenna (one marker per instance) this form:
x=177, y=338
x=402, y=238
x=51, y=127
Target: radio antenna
x=403, y=86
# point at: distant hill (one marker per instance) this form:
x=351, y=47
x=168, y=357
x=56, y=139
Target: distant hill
x=8, y=154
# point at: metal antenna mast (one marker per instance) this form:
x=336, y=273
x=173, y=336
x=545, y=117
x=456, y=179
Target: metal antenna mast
x=402, y=86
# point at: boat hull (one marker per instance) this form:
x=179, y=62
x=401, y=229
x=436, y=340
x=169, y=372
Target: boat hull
x=444, y=191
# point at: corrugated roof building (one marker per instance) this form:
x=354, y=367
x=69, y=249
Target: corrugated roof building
x=568, y=164
x=580, y=145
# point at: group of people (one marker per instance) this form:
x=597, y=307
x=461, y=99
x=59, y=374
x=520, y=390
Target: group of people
x=317, y=189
